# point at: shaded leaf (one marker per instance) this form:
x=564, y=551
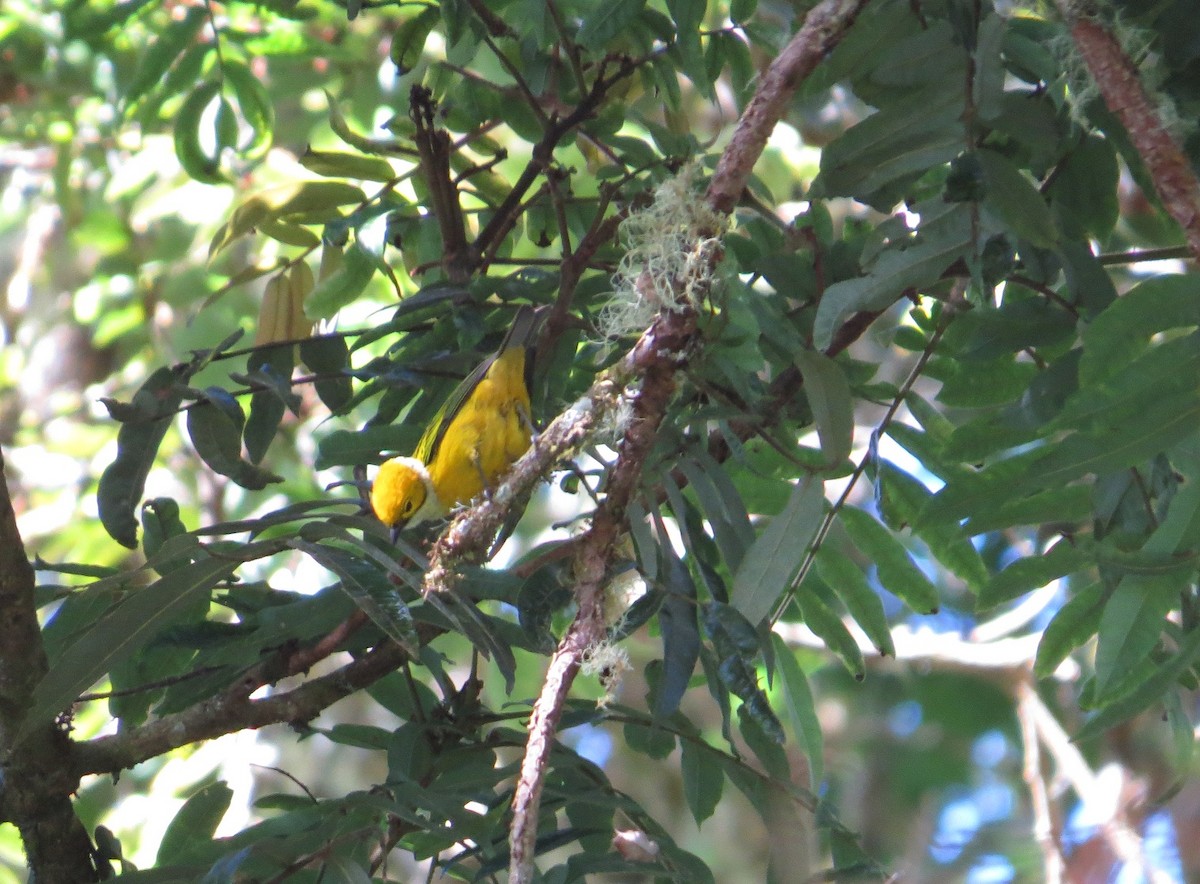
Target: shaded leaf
x=801, y=709
x=772, y=562
x=895, y=569
x=218, y=441
x=1014, y=198
x=703, y=781
x=370, y=589
x=1147, y=693
x=1030, y=573
x=850, y=584
x=904, y=498
x=123, y=630
x=194, y=824
x=680, y=634
x=828, y=394
x=1131, y=624
x=821, y=619
x=329, y=357
x=122, y=482
x=1073, y=624
x=603, y=22
x=896, y=270
x=1115, y=338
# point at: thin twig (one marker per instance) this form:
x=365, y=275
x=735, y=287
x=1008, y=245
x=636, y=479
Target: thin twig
x=1124, y=842
x=810, y=557
x=1043, y=823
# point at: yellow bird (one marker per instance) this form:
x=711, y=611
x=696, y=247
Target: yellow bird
x=474, y=438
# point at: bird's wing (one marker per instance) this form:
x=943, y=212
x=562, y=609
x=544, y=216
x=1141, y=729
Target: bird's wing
x=431, y=439
x=520, y=334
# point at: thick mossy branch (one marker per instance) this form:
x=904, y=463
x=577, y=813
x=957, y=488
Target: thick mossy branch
x=656, y=359
x=1125, y=95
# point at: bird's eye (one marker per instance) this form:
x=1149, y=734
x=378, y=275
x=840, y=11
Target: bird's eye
x=408, y=507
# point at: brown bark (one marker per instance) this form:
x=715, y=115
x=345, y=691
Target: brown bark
x=1123, y=92
x=37, y=783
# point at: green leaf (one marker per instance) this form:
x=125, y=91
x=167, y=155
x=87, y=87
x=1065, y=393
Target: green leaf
x=987, y=333
x=1013, y=197
x=339, y=164
x=218, y=441
x=1120, y=333
x=828, y=394
x=344, y=447
x=680, y=634
x=1159, y=426
x=1131, y=624
x=904, y=498
x=703, y=781
x=988, y=83
x=1164, y=370
x=1030, y=573
x=1147, y=693
x=192, y=829
x=896, y=270
x=123, y=481
x=161, y=522
x=343, y=870
x=162, y=54
x=895, y=569
x=688, y=16
x=604, y=21
x=329, y=358
x=408, y=41
x=764, y=734
x=272, y=367
x=828, y=627
x=121, y=632
x=1110, y=448
x=368, y=585
x=772, y=561
x=801, y=708
x=1075, y=623
x=342, y=286
x=850, y=584
x=981, y=384
x=654, y=742
x=902, y=140
x=258, y=110
x=189, y=143
x=289, y=234
x=722, y=505
x=1083, y=190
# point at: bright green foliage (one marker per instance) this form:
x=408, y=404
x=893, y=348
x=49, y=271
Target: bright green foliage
x=933, y=312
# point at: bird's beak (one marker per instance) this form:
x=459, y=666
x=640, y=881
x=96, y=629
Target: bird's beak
x=396, y=529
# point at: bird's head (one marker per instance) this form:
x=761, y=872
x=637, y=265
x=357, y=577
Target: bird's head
x=402, y=494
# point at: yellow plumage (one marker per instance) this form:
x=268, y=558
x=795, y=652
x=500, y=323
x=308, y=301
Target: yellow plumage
x=484, y=426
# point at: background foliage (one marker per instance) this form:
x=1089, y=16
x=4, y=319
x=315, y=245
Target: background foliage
x=924, y=503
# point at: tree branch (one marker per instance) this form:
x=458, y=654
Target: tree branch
x=823, y=28
x=37, y=781
x=656, y=358
x=233, y=711
x=1044, y=829
x=1121, y=87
